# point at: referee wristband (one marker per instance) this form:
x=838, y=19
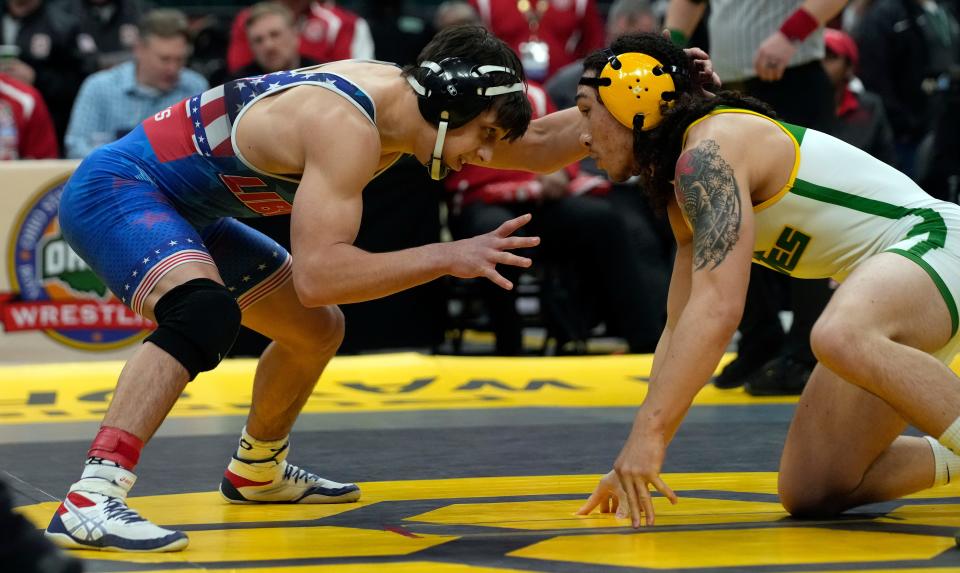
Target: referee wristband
x=799, y=25
x=678, y=38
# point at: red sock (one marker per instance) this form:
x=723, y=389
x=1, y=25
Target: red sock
x=116, y=445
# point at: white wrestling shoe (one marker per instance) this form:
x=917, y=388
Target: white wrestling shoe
x=276, y=481
x=95, y=515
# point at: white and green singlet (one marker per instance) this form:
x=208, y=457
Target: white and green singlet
x=842, y=206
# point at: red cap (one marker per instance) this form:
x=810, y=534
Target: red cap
x=841, y=44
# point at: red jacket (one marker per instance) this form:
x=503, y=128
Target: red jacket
x=571, y=28
x=26, y=130
x=327, y=33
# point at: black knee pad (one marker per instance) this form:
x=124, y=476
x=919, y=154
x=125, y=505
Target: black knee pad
x=197, y=323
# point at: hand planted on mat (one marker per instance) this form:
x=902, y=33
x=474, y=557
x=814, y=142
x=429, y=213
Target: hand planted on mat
x=638, y=467
x=479, y=256
x=608, y=496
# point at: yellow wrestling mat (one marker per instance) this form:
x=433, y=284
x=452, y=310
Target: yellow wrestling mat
x=464, y=497
x=715, y=525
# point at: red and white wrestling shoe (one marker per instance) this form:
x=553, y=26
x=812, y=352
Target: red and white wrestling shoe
x=274, y=480
x=95, y=515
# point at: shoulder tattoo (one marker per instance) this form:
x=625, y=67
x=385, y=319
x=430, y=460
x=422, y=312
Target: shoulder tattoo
x=710, y=198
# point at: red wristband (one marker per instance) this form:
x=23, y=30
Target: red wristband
x=799, y=25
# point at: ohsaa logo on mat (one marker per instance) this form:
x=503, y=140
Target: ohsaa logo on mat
x=55, y=291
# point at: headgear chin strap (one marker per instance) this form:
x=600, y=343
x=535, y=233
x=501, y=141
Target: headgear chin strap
x=636, y=88
x=453, y=92
x=439, y=170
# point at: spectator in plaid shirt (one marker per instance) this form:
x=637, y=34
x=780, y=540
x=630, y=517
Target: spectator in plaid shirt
x=114, y=101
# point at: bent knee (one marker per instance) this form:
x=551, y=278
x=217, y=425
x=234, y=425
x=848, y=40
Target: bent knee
x=317, y=328
x=333, y=324
x=836, y=343
x=806, y=505
x=804, y=496
x=197, y=323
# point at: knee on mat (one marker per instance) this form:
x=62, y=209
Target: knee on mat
x=803, y=497
x=197, y=323
x=809, y=504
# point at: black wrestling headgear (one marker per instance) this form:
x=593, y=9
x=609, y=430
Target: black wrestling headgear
x=453, y=92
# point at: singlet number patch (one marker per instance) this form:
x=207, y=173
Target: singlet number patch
x=786, y=253
x=263, y=202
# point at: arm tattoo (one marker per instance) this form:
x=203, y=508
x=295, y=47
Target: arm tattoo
x=711, y=200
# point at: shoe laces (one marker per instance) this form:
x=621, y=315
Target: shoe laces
x=115, y=508
x=297, y=473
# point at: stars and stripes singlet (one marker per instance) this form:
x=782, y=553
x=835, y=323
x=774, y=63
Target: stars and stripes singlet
x=197, y=163
x=167, y=194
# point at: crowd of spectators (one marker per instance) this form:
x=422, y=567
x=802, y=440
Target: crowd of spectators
x=76, y=74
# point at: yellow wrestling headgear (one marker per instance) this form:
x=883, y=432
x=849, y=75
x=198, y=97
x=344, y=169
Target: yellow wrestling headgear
x=636, y=88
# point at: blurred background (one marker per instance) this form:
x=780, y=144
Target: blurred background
x=75, y=74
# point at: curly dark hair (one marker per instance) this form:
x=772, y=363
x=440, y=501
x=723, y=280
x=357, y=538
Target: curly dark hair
x=657, y=150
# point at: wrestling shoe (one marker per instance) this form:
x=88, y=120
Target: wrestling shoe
x=274, y=480
x=753, y=352
x=782, y=376
x=95, y=515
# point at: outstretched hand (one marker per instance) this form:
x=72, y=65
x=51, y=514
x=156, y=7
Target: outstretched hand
x=479, y=256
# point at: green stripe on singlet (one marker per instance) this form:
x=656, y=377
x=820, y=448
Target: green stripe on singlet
x=931, y=224
x=941, y=286
x=795, y=130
